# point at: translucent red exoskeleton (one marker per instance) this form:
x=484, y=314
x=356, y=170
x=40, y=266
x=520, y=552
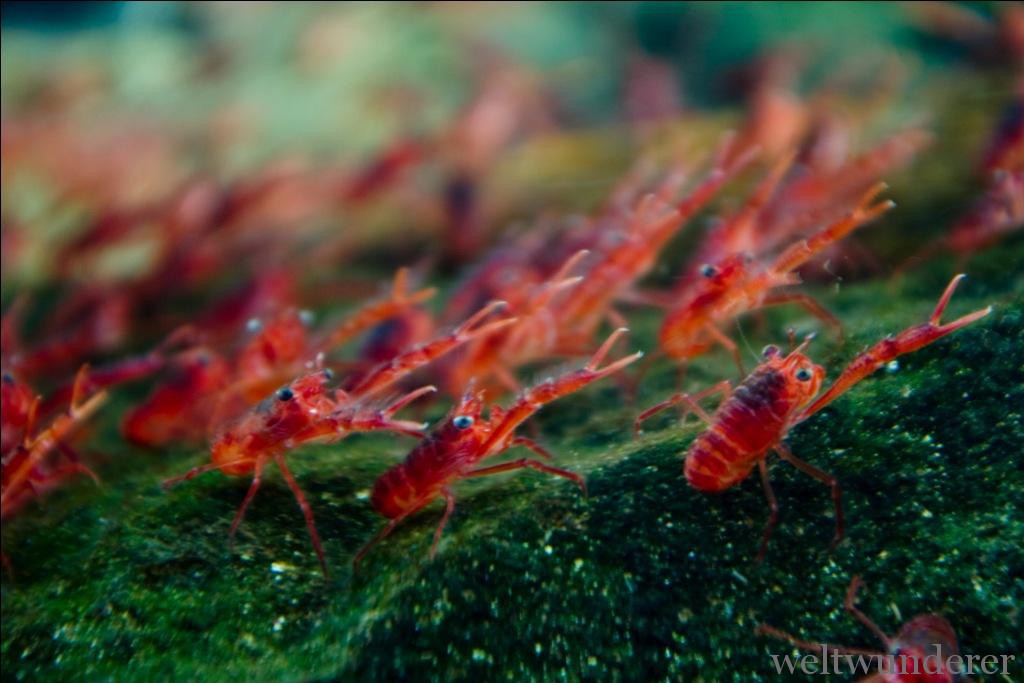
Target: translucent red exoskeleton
x=207, y=387
x=454, y=448
x=308, y=410
x=35, y=462
x=736, y=284
x=919, y=653
x=779, y=394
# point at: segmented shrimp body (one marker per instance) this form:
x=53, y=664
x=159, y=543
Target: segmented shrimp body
x=998, y=213
x=454, y=448
x=33, y=462
x=722, y=291
x=811, y=195
x=562, y=289
x=779, y=394
x=211, y=387
x=489, y=361
x=1005, y=150
x=918, y=653
x=307, y=410
x=282, y=346
x=180, y=409
x=750, y=423
x=618, y=263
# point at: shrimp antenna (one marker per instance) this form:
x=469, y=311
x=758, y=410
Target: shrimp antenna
x=805, y=343
x=753, y=354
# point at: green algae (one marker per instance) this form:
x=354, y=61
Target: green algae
x=643, y=578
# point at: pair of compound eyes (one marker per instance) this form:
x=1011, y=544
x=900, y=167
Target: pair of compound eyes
x=254, y=325
x=802, y=374
x=710, y=271
x=287, y=394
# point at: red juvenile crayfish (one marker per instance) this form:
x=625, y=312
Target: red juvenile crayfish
x=753, y=419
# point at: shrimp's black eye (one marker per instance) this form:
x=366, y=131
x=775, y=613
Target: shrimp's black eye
x=803, y=374
x=328, y=374
x=708, y=270
x=462, y=422
x=285, y=394
x=770, y=351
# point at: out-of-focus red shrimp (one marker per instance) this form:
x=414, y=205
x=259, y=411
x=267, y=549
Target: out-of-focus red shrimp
x=998, y=213
x=722, y=291
x=779, y=394
x=454, y=448
x=650, y=226
x=1005, y=150
x=995, y=41
x=651, y=92
x=122, y=371
x=739, y=232
x=219, y=387
x=490, y=362
x=506, y=273
x=811, y=196
x=383, y=171
x=181, y=407
x=268, y=291
x=74, y=333
x=919, y=653
x=34, y=462
x=307, y=411
x=280, y=347
x=389, y=339
x=776, y=115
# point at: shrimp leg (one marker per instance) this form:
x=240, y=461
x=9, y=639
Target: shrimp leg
x=824, y=478
x=532, y=464
x=773, y=506
x=724, y=387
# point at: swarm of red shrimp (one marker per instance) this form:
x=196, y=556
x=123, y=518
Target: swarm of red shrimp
x=255, y=375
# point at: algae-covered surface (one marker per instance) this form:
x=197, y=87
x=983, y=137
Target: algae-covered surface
x=643, y=578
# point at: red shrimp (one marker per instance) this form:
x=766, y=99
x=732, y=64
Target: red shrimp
x=755, y=418
x=33, y=463
x=217, y=387
x=998, y=213
x=620, y=264
x=307, y=411
x=919, y=653
x=736, y=284
x=454, y=448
